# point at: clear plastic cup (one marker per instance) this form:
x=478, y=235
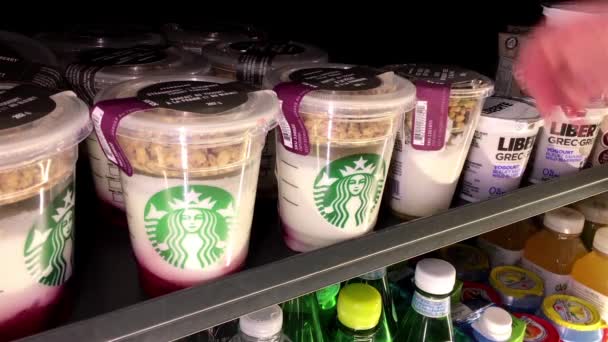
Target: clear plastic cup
x=68, y=44
x=39, y=142
x=565, y=142
x=194, y=38
x=332, y=193
x=191, y=196
x=249, y=61
x=432, y=146
x=112, y=67
x=500, y=150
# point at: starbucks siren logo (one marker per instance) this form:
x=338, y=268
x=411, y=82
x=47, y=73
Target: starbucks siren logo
x=188, y=227
x=348, y=189
x=48, y=247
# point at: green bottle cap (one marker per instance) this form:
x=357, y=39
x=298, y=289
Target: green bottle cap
x=359, y=307
x=519, y=330
x=327, y=294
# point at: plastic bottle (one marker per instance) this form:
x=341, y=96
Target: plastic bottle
x=359, y=311
x=328, y=300
x=505, y=246
x=551, y=253
x=261, y=326
x=429, y=317
x=388, y=320
x=590, y=274
x=595, y=210
x=301, y=322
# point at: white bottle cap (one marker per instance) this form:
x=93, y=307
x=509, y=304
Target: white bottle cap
x=435, y=276
x=595, y=209
x=374, y=275
x=262, y=324
x=495, y=324
x=565, y=221
x=600, y=240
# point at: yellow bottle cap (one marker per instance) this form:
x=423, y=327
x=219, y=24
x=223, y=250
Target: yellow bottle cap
x=572, y=313
x=359, y=306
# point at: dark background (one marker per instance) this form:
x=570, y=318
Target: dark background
x=376, y=33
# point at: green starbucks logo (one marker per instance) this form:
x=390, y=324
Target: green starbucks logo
x=188, y=226
x=348, y=189
x=48, y=246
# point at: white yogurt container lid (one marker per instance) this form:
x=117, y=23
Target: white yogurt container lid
x=198, y=109
x=83, y=38
x=26, y=48
x=36, y=122
x=202, y=35
x=230, y=54
x=369, y=92
x=595, y=209
x=463, y=82
x=506, y=114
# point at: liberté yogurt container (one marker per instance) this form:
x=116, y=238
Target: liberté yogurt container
x=575, y=319
x=27, y=48
x=70, y=43
x=432, y=146
x=519, y=289
x=565, y=142
x=189, y=153
x=501, y=146
x=99, y=69
x=249, y=61
x=599, y=155
x=39, y=133
x=334, y=144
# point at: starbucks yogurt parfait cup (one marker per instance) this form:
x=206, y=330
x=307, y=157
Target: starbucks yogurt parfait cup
x=565, y=142
x=249, y=61
x=39, y=133
x=189, y=152
x=334, y=145
x=194, y=37
x=432, y=146
x=500, y=150
x=99, y=69
x=76, y=39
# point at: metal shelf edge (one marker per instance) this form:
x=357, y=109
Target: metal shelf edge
x=186, y=312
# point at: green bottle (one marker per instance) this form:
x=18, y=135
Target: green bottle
x=359, y=311
x=328, y=300
x=301, y=321
x=388, y=319
x=428, y=319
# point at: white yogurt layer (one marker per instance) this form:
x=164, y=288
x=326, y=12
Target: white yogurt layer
x=36, y=251
x=106, y=175
x=324, y=200
x=192, y=237
x=564, y=144
x=500, y=150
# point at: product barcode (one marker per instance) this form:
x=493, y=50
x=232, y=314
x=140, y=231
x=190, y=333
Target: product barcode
x=419, y=133
x=96, y=116
x=285, y=132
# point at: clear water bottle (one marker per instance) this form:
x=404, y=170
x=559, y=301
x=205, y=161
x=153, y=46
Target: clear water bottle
x=261, y=326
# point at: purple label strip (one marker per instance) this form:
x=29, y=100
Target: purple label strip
x=429, y=122
x=294, y=136
x=106, y=116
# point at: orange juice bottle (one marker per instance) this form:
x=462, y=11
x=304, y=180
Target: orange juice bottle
x=551, y=252
x=505, y=246
x=590, y=274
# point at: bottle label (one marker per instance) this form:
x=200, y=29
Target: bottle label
x=499, y=256
x=599, y=300
x=429, y=307
x=554, y=283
